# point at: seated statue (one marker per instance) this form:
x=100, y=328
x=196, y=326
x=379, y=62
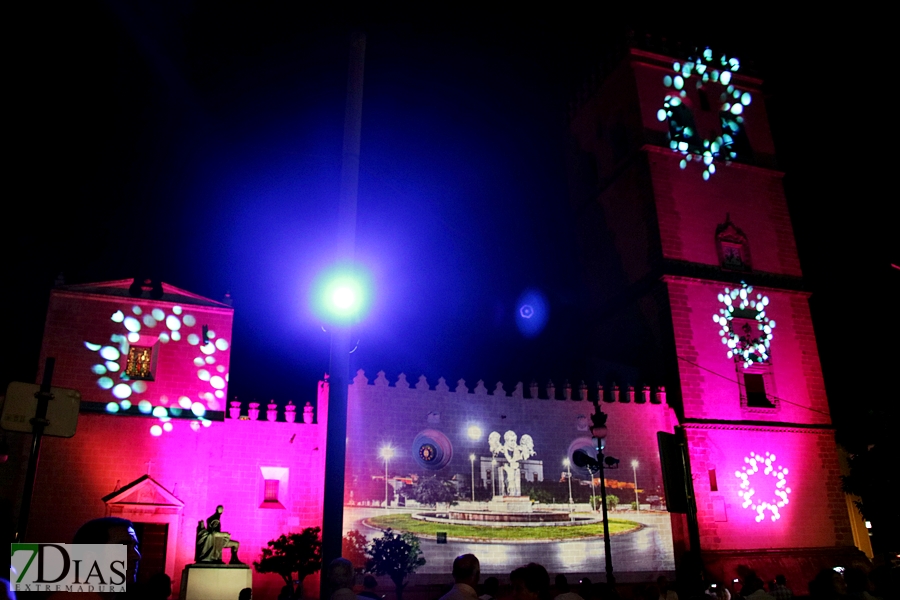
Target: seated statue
x=212, y=541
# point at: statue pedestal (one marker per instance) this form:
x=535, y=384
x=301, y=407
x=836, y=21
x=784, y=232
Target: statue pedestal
x=208, y=581
x=510, y=504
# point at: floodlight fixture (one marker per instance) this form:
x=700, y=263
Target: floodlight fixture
x=341, y=295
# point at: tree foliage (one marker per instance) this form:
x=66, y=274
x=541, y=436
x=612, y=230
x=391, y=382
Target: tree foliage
x=299, y=553
x=431, y=490
x=353, y=548
x=395, y=555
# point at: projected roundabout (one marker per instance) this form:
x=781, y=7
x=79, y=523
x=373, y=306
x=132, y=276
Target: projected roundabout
x=511, y=528
x=640, y=541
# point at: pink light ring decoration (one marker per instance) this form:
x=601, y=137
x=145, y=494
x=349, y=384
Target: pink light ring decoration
x=745, y=343
x=682, y=138
x=779, y=499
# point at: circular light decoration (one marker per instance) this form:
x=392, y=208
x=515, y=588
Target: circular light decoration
x=745, y=328
x=172, y=328
x=753, y=463
x=683, y=135
x=432, y=450
x=427, y=452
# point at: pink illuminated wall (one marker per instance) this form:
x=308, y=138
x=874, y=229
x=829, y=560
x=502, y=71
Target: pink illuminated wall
x=665, y=224
x=713, y=391
x=201, y=462
x=221, y=464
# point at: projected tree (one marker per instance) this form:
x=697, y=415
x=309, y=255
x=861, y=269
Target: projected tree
x=299, y=553
x=431, y=491
x=396, y=555
x=354, y=548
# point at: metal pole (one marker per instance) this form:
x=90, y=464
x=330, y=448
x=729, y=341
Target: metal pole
x=472, y=460
x=593, y=494
x=387, y=502
x=610, y=578
x=345, y=238
x=37, y=427
x=569, y=472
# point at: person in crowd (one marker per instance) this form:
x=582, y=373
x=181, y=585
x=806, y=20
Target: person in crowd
x=531, y=582
x=665, y=592
x=563, y=590
x=491, y=589
x=158, y=587
x=754, y=589
x=828, y=584
x=109, y=530
x=780, y=590
x=246, y=594
x=369, y=585
x=340, y=575
x=466, y=574
x=858, y=585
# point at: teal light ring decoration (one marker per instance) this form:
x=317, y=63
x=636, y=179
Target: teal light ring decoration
x=746, y=343
x=683, y=135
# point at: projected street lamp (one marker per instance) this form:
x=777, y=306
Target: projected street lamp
x=582, y=459
x=637, y=502
x=568, y=466
x=472, y=460
x=387, y=453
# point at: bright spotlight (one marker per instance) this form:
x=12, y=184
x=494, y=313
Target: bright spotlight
x=340, y=295
x=344, y=297
x=474, y=432
x=386, y=452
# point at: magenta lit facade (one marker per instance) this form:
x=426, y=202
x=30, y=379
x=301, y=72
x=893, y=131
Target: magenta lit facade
x=667, y=263
x=166, y=483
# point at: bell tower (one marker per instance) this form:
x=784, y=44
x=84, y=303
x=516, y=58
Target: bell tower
x=695, y=279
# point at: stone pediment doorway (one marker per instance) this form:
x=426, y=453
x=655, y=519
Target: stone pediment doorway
x=155, y=512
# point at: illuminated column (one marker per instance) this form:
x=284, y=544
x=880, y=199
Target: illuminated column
x=387, y=452
x=637, y=502
x=569, y=477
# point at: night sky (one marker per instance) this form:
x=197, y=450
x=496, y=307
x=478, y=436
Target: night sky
x=200, y=143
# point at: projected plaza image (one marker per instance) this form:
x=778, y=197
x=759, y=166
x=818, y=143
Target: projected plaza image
x=495, y=473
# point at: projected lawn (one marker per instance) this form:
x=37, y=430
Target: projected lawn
x=473, y=532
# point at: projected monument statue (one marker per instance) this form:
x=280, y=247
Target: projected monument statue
x=514, y=451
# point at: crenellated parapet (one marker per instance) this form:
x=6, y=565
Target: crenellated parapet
x=628, y=394
x=271, y=411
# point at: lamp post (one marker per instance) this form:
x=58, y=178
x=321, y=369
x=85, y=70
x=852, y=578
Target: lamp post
x=637, y=501
x=599, y=431
x=472, y=460
x=387, y=452
x=568, y=466
x=593, y=494
x=493, y=477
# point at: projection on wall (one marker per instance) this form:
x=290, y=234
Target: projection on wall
x=763, y=486
x=126, y=367
x=746, y=330
x=492, y=473
x=711, y=77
